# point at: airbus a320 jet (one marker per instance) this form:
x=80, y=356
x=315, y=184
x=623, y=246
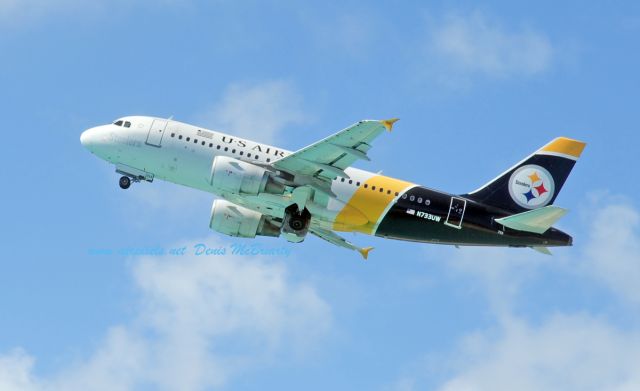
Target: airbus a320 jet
x=268, y=191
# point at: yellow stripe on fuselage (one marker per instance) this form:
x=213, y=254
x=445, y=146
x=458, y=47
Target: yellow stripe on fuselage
x=371, y=202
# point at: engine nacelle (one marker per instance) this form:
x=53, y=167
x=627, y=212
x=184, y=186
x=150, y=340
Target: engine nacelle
x=238, y=177
x=235, y=220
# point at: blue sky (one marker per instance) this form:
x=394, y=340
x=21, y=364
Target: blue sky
x=477, y=87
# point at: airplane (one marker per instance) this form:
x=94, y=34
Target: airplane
x=265, y=190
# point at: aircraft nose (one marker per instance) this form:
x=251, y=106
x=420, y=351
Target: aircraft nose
x=87, y=138
x=84, y=138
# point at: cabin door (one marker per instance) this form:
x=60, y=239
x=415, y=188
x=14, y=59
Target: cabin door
x=456, y=212
x=156, y=132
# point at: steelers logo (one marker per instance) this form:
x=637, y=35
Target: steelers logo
x=531, y=186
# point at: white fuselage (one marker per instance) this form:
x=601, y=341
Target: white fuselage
x=183, y=154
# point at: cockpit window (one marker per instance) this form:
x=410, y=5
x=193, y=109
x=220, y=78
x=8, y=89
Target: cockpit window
x=127, y=124
x=118, y=123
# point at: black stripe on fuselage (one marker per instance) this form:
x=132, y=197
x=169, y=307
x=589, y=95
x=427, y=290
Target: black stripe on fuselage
x=425, y=221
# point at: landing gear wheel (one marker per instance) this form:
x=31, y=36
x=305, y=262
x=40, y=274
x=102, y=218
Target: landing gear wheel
x=124, y=182
x=297, y=223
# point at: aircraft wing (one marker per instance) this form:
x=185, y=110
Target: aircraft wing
x=328, y=158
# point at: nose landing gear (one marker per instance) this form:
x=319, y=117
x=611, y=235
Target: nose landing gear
x=131, y=174
x=124, y=182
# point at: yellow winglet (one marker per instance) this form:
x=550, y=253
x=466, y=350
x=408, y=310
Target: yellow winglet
x=388, y=123
x=565, y=146
x=365, y=251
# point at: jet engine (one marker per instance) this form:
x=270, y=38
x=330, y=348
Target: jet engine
x=235, y=220
x=235, y=176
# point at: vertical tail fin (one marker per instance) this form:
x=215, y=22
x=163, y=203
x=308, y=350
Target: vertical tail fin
x=535, y=181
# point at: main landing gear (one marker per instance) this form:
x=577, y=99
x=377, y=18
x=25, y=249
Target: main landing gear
x=124, y=182
x=296, y=224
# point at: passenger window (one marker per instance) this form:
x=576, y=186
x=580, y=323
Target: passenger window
x=256, y=157
x=404, y=196
x=195, y=141
x=341, y=179
x=381, y=190
x=350, y=181
x=412, y=198
x=127, y=124
x=268, y=160
x=357, y=183
x=217, y=147
x=241, y=153
x=419, y=200
x=373, y=187
x=427, y=202
x=397, y=193
x=226, y=149
x=388, y=191
x=180, y=137
x=365, y=185
x=248, y=155
x=233, y=151
x=210, y=145
x=188, y=138
x=173, y=134
x=203, y=143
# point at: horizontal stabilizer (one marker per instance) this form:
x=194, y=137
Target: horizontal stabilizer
x=542, y=250
x=537, y=220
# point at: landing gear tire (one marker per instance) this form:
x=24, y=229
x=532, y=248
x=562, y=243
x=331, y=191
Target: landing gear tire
x=124, y=182
x=297, y=223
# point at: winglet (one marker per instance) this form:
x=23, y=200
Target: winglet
x=365, y=251
x=388, y=123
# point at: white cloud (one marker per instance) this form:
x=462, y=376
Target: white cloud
x=21, y=13
x=346, y=34
x=476, y=44
x=499, y=273
x=15, y=371
x=180, y=205
x=612, y=254
x=202, y=320
x=565, y=353
x=259, y=111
